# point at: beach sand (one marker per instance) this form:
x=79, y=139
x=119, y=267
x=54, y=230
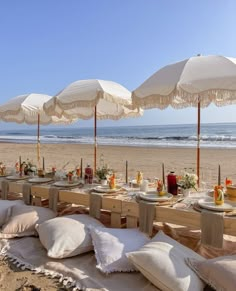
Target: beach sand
x=147, y=160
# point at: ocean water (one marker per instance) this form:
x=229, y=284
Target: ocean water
x=217, y=135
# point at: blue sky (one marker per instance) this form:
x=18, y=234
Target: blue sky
x=47, y=44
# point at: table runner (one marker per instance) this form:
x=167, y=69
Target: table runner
x=5, y=189
x=26, y=191
x=212, y=228
x=146, y=216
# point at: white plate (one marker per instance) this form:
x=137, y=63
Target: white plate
x=65, y=184
x=105, y=189
x=15, y=178
x=153, y=196
x=39, y=180
x=208, y=203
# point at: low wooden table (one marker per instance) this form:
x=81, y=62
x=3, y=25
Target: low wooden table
x=123, y=206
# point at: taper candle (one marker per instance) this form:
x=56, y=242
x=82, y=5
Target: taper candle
x=126, y=172
x=81, y=168
x=219, y=176
x=163, y=174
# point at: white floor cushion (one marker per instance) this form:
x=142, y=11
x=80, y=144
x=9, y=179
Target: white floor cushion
x=162, y=261
x=111, y=245
x=22, y=219
x=219, y=273
x=4, y=206
x=67, y=236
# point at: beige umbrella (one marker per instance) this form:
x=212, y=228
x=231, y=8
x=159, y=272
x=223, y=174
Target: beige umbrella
x=197, y=81
x=28, y=109
x=86, y=99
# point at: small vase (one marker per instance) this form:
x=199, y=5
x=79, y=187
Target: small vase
x=186, y=192
x=104, y=182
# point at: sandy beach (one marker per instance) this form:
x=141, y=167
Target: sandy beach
x=147, y=160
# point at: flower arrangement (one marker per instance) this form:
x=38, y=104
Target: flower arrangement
x=103, y=172
x=188, y=181
x=28, y=167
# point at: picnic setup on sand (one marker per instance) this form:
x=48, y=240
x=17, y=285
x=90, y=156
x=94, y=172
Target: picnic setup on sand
x=94, y=228
x=119, y=235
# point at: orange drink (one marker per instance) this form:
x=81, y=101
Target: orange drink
x=219, y=195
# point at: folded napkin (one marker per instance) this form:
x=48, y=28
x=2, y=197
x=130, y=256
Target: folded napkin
x=212, y=228
x=5, y=189
x=53, y=198
x=27, y=193
x=146, y=216
x=95, y=205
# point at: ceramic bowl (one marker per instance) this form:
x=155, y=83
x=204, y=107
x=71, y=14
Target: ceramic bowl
x=231, y=192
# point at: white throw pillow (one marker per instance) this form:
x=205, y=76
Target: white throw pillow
x=4, y=206
x=218, y=272
x=162, y=261
x=111, y=245
x=67, y=236
x=22, y=219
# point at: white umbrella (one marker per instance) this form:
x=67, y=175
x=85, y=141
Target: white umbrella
x=86, y=99
x=197, y=81
x=28, y=109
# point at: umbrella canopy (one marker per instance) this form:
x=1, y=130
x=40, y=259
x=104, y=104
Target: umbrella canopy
x=112, y=101
x=28, y=109
x=197, y=81
x=86, y=99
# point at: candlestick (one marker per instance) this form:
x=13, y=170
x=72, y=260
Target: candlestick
x=219, y=176
x=81, y=168
x=163, y=174
x=126, y=172
x=43, y=164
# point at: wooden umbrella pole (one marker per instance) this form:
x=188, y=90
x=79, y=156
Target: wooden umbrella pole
x=198, y=139
x=38, y=141
x=95, y=139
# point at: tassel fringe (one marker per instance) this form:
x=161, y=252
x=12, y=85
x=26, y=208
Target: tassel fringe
x=67, y=282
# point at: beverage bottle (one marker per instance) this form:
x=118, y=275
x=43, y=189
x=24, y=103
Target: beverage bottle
x=172, y=183
x=88, y=175
x=112, y=183
x=139, y=178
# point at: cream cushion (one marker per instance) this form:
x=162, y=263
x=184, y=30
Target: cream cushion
x=219, y=273
x=162, y=261
x=21, y=220
x=4, y=206
x=111, y=245
x=67, y=236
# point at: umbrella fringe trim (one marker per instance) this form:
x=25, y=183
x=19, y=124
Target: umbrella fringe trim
x=31, y=114
x=137, y=113
x=91, y=103
x=218, y=97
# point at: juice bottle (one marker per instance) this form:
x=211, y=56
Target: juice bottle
x=172, y=183
x=88, y=175
x=112, y=183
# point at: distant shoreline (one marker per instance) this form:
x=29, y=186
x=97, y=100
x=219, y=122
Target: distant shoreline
x=120, y=145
